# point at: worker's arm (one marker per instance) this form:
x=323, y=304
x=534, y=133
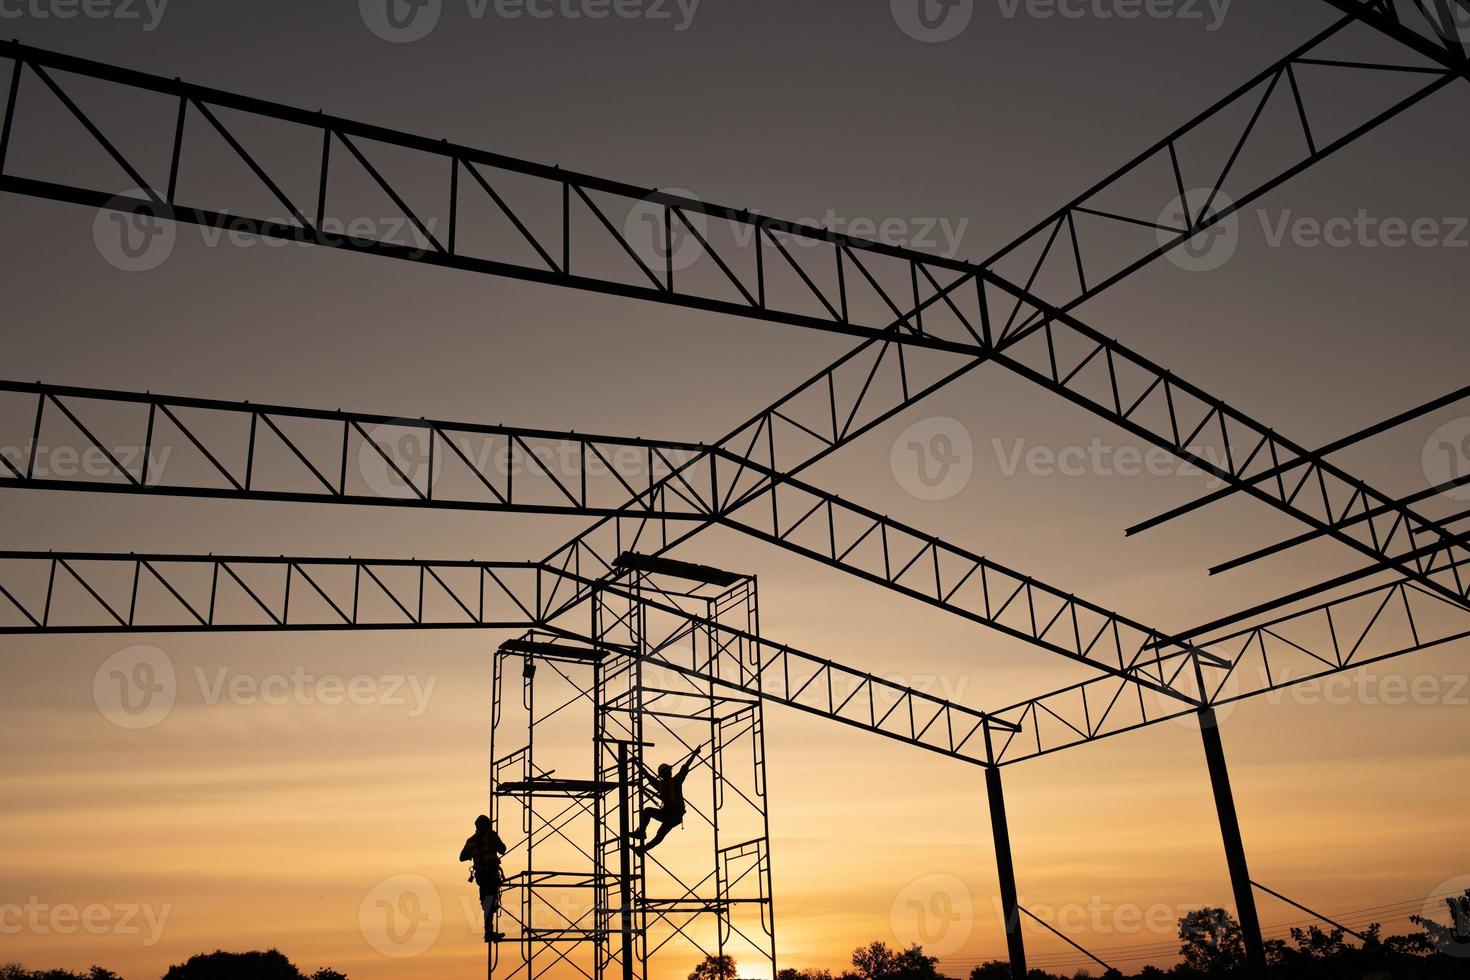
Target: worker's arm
x=464, y=852
x=684, y=773
x=500, y=847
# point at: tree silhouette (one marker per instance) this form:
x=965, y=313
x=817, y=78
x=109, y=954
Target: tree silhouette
x=1453, y=939
x=992, y=970
x=1211, y=942
x=219, y=965
x=877, y=962
x=790, y=974
x=715, y=968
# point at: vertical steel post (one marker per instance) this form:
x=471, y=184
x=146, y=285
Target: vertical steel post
x=1005, y=867
x=492, y=805
x=1240, y=877
x=625, y=870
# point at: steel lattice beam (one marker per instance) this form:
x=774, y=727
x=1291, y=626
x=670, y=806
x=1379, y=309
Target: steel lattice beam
x=64, y=593
x=145, y=443
x=799, y=430
x=1075, y=361
x=1017, y=329
x=1307, y=536
x=1355, y=630
x=587, y=239
x=1335, y=446
x=101, y=592
x=353, y=459
x=1436, y=29
x=799, y=427
x=1151, y=403
x=67, y=593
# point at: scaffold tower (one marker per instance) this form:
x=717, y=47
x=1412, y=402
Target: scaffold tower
x=649, y=685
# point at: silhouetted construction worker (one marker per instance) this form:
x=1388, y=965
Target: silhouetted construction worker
x=484, y=850
x=668, y=786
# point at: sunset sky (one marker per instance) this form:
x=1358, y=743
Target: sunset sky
x=240, y=823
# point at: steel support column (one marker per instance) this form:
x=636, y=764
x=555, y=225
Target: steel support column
x=1005, y=868
x=1240, y=878
x=625, y=857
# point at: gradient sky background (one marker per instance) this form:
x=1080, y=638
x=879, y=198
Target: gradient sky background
x=259, y=825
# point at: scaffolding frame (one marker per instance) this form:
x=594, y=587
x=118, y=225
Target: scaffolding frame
x=617, y=909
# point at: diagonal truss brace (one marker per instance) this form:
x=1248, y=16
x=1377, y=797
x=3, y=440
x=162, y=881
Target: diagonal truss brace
x=914, y=335
x=374, y=459
x=99, y=440
x=798, y=435
x=1355, y=630
x=1437, y=29
x=45, y=593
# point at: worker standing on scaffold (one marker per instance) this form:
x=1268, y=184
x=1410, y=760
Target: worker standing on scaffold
x=484, y=850
x=668, y=786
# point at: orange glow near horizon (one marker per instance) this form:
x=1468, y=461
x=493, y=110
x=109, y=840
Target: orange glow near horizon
x=255, y=826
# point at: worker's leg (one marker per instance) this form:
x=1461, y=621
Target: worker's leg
x=666, y=828
x=492, y=883
x=649, y=816
x=490, y=905
x=491, y=899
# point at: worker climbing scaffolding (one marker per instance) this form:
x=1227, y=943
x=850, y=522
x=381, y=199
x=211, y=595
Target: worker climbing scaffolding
x=484, y=849
x=668, y=788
